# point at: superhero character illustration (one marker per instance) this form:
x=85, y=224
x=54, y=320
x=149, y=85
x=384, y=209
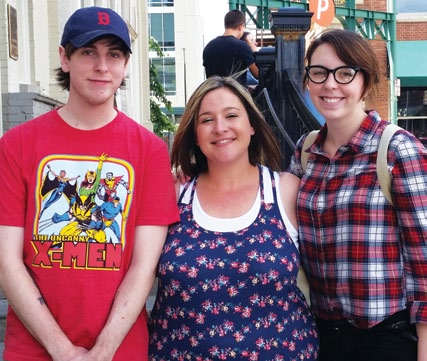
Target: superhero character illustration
x=88, y=187
x=83, y=217
x=92, y=211
x=56, y=187
x=107, y=190
x=90, y=184
x=109, y=211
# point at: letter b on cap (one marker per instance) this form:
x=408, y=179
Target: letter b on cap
x=103, y=18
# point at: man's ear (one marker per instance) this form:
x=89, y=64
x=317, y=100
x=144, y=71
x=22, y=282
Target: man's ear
x=63, y=59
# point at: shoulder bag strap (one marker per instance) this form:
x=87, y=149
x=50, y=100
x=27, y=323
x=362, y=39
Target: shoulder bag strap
x=383, y=174
x=308, y=141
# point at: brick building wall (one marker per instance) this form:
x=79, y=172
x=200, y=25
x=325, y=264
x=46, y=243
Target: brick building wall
x=381, y=98
x=411, y=30
x=374, y=5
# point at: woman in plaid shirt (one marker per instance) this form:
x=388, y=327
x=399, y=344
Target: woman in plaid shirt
x=365, y=259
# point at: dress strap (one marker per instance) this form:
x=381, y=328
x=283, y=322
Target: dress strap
x=187, y=191
x=261, y=182
x=267, y=185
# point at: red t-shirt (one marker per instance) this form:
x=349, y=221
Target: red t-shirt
x=79, y=195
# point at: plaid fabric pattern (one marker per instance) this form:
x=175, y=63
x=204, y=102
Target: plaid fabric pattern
x=364, y=258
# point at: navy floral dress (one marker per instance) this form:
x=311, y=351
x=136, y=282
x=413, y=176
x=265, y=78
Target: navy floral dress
x=231, y=295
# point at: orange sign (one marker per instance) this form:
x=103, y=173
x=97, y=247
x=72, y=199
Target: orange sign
x=324, y=11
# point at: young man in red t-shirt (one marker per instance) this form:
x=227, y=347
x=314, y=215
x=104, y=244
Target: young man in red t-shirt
x=76, y=269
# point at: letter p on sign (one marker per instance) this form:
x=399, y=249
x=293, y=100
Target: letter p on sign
x=324, y=11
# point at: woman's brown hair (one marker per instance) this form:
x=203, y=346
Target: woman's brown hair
x=263, y=147
x=353, y=50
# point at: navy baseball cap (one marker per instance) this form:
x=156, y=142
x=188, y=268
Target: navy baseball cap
x=87, y=24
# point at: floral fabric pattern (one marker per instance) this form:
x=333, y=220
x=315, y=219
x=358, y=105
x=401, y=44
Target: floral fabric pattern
x=231, y=295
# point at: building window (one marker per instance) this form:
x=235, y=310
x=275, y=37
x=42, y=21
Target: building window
x=162, y=28
x=160, y=2
x=412, y=110
x=166, y=73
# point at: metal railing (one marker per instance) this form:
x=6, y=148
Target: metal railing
x=300, y=117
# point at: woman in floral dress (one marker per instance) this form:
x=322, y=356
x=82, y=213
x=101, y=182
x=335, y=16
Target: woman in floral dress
x=227, y=275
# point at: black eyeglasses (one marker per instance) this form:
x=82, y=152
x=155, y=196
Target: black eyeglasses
x=342, y=75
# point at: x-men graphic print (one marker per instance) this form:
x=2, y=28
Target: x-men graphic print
x=83, y=204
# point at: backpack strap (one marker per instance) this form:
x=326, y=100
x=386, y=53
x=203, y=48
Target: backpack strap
x=308, y=141
x=382, y=170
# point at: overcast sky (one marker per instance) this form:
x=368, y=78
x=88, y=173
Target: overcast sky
x=411, y=6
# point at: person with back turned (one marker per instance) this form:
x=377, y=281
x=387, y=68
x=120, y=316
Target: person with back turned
x=227, y=55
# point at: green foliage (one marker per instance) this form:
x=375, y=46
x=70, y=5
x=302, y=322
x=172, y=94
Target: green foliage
x=160, y=120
